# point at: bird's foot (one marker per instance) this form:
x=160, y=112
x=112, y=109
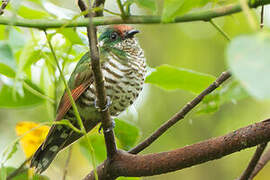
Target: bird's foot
x=108, y=103
x=107, y=129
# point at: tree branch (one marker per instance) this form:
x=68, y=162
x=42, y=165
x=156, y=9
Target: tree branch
x=102, y=100
x=262, y=162
x=252, y=164
x=19, y=170
x=181, y=114
x=129, y=165
x=203, y=15
x=3, y=6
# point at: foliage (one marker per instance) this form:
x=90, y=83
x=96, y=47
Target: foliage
x=29, y=77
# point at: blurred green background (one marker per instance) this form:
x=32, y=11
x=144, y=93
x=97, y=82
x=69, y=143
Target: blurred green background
x=197, y=46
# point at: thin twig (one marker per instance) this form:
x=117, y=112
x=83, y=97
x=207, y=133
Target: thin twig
x=181, y=114
x=203, y=15
x=3, y=6
x=219, y=29
x=252, y=164
x=19, y=170
x=100, y=90
x=262, y=17
x=67, y=163
x=77, y=114
x=260, y=165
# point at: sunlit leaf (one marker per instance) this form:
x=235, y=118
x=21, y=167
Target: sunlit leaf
x=98, y=143
x=33, y=135
x=7, y=62
x=16, y=39
x=10, y=152
x=71, y=35
x=172, y=78
x=126, y=133
x=248, y=58
x=128, y=178
x=148, y=4
x=9, y=100
x=173, y=8
x=30, y=13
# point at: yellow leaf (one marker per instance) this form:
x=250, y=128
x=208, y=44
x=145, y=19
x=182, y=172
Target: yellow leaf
x=33, y=134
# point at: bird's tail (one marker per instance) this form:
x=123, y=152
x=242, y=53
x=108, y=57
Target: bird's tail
x=59, y=137
x=47, y=151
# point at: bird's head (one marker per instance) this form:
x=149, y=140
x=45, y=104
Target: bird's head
x=118, y=38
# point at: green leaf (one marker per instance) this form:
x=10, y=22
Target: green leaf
x=9, y=100
x=126, y=133
x=148, y=4
x=172, y=78
x=230, y=93
x=71, y=35
x=173, y=8
x=9, y=153
x=23, y=175
x=16, y=39
x=98, y=144
x=7, y=62
x=29, y=13
x=248, y=58
x=128, y=178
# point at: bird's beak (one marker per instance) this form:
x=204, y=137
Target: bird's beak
x=131, y=33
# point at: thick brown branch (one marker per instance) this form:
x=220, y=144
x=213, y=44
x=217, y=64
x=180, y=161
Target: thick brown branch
x=262, y=162
x=181, y=114
x=252, y=164
x=124, y=164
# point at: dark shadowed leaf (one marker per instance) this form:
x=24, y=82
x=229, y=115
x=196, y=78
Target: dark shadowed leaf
x=172, y=78
x=248, y=58
x=126, y=133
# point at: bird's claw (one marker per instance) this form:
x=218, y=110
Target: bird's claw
x=108, y=103
x=107, y=129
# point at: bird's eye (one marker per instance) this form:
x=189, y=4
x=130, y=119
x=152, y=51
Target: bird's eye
x=114, y=36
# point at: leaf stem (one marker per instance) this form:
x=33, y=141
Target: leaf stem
x=219, y=29
x=38, y=94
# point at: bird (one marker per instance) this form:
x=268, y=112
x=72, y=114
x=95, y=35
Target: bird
x=123, y=65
